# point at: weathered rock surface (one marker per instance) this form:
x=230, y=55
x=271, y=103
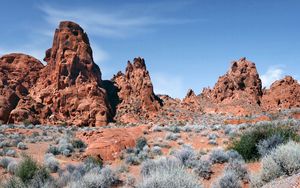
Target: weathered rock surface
x=18, y=73
x=238, y=92
x=109, y=143
x=283, y=94
x=69, y=88
x=135, y=93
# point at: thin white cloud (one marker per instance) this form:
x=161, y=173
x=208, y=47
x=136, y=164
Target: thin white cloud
x=168, y=84
x=273, y=73
x=113, y=22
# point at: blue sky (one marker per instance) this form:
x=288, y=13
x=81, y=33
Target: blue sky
x=186, y=44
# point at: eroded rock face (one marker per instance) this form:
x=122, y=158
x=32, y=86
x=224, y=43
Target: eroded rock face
x=18, y=73
x=108, y=144
x=239, y=91
x=69, y=89
x=70, y=59
x=135, y=92
x=283, y=94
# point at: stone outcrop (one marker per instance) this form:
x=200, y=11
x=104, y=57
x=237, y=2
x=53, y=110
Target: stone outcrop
x=18, y=73
x=283, y=94
x=69, y=89
x=239, y=91
x=135, y=93
x=108, y=144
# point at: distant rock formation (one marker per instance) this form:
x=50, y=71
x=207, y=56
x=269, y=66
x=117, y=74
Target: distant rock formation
x=283, y=94
x=69, y=89
x=18, y=73
x=239, y=91
x=135, y=92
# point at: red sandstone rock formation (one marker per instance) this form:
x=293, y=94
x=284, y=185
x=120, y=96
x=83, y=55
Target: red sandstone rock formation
x=135, y=92
x=108, y=144
x=239, y=91
x=283, y=94
x=191, y=102
x=69, y=89
x=18, y=73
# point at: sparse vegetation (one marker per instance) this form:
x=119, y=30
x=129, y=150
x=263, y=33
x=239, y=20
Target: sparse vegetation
x=228, y=180
x=166, y=173
x=51, y=163
x=284, y=160
x=203, y=168
x=218, y=156
x=140, y=143
x=247, y=144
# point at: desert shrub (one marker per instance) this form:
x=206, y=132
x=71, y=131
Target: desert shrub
x=213, y=142
x=11, y=153
x=212, y=136
x=22, y=146
x=132, y=160
x=246, y=145
x=215, y=127
x=12, y=167
x=146, y=149
x=103, y=178
x=92, y=162
x=265, y=146
x=218, y=156
x=234, y=155
x=239, y=168
x=130, y=150
x=172, y=136
x=63, y=147
x=150, y=166
x=203, y=168
x=66, y=152
x=122, y=168
x=174, y=129
x=51, y=163
x=156, y=150
x=186, y=155
x=144, y=155
x=13, y=182
x=141, y=142
x=53, y=149
x=187, y=128
x=4, y=144
x=284, y=160
x=41, y=178
x=157, y=128
x=130, y=180
x=228, y=129
x=27, y=168
x=70, y=168
x=228, y=180
x=166, y=173
x=4, y=162
x=78, y=144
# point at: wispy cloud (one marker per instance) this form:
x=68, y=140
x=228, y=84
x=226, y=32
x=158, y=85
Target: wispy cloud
x=273, y=73
x=117, y=22
x=168, y=84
